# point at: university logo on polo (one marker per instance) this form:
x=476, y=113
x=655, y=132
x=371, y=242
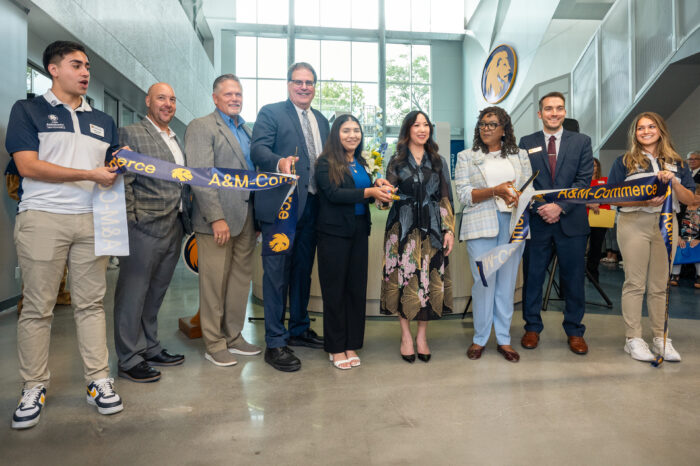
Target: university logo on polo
x=499, y=73
x=181, y=174
x=53, y=123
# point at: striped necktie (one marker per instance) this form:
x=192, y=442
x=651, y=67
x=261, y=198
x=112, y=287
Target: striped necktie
x=310, y=148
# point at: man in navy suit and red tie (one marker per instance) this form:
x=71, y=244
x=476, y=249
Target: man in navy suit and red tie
x=564, y=160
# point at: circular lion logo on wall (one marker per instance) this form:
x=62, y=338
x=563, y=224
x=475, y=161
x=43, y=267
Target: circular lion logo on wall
x=499, y=74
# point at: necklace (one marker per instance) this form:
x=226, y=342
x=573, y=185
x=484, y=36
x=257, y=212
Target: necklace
x=353, y=166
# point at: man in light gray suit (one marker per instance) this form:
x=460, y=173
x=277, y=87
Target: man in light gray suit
x=155, y=218
x=223, y=224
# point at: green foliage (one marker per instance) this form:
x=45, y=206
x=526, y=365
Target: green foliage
x=401, y=96
x=333, y=96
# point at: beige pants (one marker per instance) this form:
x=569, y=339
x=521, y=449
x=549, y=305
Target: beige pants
x=646, y=269
x=45, y=242
x=224, y=283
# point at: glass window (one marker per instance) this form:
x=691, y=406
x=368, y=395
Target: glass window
x=335, y=60
x=398, y=15
x=272, y=58
x=269, y=91
x=37, y=82
x=307, y=12
x=272, y=11
x=365, y=14
x=246, y=53
x=111, y=105
x=420, y=63
x=126, y=115
x=447, y=16
x=398, y=62
x=246, y=11
x=250, y=99
x=308, y=51
x=335, y=13
x=420, y=15
x=365, y=61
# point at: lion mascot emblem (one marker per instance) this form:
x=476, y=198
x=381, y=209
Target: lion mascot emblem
x=181, y=174
x=279, y=242
x=498, y=74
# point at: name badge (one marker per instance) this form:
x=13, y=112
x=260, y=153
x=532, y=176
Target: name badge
x=534, y=149
x=671, y=168
x=97, y=130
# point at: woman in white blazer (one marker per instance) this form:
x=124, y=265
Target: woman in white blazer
x=486, y=177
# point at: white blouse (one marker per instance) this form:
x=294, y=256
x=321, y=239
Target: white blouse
x=498, y=170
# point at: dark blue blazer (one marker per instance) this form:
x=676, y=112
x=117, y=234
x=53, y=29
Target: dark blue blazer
x=574, y=170
x=277, y=134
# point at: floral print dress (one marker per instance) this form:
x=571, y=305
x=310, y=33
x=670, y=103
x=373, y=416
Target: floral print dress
x=415, y=280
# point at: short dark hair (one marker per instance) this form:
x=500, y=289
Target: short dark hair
x=296, y=66
x=55, y=52
x=225, y=77
x=552, y=94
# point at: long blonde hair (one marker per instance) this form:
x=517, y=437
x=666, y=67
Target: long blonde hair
x=634, y=157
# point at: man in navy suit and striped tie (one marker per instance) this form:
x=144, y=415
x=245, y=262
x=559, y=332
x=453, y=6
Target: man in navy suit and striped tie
x=564, y=160
x=286, y=134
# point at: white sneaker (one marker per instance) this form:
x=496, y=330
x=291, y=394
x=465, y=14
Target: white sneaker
x=29, y=408
x=100, y=393
x=639, y=350
x=670, y=355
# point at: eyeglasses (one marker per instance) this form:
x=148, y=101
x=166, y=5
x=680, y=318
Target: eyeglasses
x=299, y=83
x=490, y=125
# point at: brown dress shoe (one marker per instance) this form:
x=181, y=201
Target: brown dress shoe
x=474, y=351
x=578, y=345
x=530, y=340
x=509, y=355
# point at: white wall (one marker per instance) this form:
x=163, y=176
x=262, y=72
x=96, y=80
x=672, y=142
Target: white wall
x=684, y=124
x=13, y=37
x=146, y=41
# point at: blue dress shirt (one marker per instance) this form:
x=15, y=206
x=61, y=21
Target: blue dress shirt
x=241, y=136
x=361, y=179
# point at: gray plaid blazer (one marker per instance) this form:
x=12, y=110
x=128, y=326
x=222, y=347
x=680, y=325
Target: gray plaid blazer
x=151, y=205
x=210, y=143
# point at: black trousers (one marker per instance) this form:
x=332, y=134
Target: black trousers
x=595, y=248
x=342, y=272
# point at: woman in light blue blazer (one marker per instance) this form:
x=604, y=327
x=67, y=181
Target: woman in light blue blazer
x=487, y=177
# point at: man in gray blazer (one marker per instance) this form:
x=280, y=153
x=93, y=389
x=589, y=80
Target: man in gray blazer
x=154, y=215
x=223, y=224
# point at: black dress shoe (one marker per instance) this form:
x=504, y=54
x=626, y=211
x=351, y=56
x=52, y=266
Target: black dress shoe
x=424, y=357
x=309, y=339
x=141, y=372
x=166, y=359
x=409, y=357
x=282, y=359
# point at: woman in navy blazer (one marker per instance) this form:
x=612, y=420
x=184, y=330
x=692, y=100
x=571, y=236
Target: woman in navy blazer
x=343, y=225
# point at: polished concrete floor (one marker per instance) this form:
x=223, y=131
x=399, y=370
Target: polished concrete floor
x=553, y=407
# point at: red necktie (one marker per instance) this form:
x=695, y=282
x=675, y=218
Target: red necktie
x=552, y=152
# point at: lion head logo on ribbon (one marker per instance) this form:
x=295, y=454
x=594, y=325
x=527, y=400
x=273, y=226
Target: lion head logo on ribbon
x=279, y=242
x=181, y=174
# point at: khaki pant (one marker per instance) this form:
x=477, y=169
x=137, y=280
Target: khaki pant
x=646, y=269
x=224, y=283
x=45, y=242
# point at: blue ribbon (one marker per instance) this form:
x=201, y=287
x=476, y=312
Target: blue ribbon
x=640, y=189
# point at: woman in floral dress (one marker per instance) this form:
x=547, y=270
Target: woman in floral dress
x=419, y=235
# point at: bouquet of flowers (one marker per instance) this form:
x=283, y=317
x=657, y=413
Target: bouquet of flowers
x=375, y=161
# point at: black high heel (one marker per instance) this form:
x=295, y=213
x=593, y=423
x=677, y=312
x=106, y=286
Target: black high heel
x=411, y=358
x=424, y=357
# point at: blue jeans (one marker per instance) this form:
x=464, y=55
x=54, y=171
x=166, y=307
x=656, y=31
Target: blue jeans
x=493, y=305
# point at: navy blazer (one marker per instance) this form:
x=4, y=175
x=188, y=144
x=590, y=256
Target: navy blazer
x=336, y=212
x=574, y=170
x=277, y=134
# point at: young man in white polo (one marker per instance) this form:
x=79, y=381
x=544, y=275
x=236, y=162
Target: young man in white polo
x=60, y=145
